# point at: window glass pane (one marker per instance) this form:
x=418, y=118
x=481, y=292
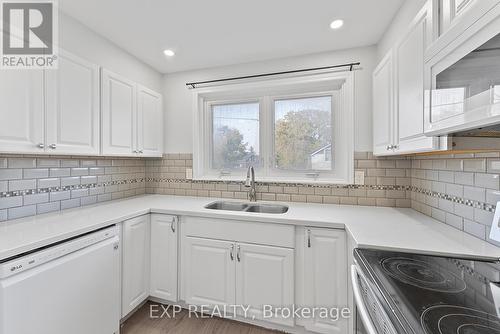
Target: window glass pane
x=303, y=133
x=235, y=135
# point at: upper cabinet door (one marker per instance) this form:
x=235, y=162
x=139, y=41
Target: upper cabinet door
x=383, y=106
x=118, y=115
x=22, y=111
x=73, y=107
x=149, y=122
x=410, y=86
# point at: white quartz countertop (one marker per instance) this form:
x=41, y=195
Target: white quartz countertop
x=370, y=227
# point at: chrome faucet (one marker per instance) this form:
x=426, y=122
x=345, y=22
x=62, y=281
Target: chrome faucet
x=250, y=183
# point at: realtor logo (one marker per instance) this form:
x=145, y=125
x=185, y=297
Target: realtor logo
x=29, y=34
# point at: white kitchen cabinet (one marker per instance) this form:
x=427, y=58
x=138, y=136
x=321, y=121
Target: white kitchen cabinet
x=264, y=276
x=73, y=107
x=52, y=111
x=209, y=271
x=164, y=242
x=398, y=93
x=452, y=13
x=383, y=106
x=149, y=122
x=455, y=19
x=135, y=263
x=131, y=118
x=325, y=276
x=119, y=114
x=409, y=86
x=22, y=111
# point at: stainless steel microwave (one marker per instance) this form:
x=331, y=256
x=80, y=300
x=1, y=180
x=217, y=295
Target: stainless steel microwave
x=463, y=90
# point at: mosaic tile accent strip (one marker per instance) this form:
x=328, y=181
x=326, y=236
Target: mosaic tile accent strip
x=260, y=185
x=67, y=188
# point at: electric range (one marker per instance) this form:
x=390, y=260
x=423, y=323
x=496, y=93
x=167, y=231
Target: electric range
x=400, y=293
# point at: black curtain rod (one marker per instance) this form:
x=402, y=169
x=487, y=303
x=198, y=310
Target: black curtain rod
x=350, y=65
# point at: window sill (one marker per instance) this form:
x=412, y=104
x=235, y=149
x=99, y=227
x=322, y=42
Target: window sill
x=273, y=180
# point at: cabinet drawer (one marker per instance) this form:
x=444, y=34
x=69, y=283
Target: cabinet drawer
x=242, y=231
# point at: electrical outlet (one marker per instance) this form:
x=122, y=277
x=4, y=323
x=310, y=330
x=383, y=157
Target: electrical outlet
x=359, y=177
x=189, y=173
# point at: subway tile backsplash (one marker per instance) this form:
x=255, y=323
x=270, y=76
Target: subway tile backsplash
x=387, y=182
x=31, y=185
x=464, y=194
x=459, y=190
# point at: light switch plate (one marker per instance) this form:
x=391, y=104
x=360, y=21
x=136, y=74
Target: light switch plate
x=189, y=173
x=495, y=228
x=359, y=177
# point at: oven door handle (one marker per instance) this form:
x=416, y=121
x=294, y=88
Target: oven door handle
x=361, y=307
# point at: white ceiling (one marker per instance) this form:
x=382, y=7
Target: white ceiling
x=208, y=33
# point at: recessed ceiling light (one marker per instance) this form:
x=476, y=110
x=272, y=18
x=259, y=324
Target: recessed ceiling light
x=169, y=53
x=337, y=24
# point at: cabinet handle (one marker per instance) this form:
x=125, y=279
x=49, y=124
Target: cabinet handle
x=231, y=253
x=141, y=151
x=308, y=238
x=172, y=226
x=135, y=151
x=388, y=147
x=238, y=254
x=53, y=146
x=41, y=145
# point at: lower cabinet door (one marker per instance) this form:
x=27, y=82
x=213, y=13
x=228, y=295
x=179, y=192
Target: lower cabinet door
x=265, y=277
x=135, y=263
x=163, y=283
x=209, y=272
x=325, y=277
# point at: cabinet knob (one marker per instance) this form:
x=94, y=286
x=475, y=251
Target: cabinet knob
x=41, y=145
x=388, y=147
x=135, y=151
x=141, y=151
x=53, y=146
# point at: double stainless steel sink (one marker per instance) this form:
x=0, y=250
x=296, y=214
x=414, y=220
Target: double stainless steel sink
x=247, y=207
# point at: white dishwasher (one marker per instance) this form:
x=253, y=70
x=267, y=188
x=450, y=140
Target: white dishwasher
x=70, y=287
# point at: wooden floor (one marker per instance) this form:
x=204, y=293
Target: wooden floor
x=141, y=323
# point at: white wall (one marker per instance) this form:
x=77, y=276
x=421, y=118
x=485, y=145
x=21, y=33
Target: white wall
x=80, y=40
x=178, y=100
x=398, y=26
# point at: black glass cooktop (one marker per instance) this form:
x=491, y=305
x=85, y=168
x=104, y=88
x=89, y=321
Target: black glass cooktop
x=435, y=295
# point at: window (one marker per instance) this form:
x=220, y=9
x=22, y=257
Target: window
x=289, y=130
x=235, y=136
x=303, y=133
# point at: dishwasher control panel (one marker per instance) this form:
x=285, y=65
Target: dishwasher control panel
x=52, y=252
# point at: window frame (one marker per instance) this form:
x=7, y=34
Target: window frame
x=338, y=85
